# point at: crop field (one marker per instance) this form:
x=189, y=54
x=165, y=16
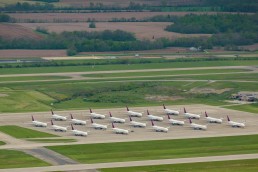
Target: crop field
x=161, y=149
x=20, y=132
x=18, y=159
x=141, y=30
x=227, y=166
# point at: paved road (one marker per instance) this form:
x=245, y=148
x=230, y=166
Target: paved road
x=133, y=163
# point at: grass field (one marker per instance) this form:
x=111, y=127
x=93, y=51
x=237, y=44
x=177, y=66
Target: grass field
x=247, y=108
x=18, y=159
x=162, y=149
x=21, y=133
x=2, y=143
x=226, y=166
x=31, y=78
x=127, y=66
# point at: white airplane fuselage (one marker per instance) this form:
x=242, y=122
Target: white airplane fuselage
x=120, y=131
x=78, y=122
x=59, y=128
x=39, y=124
x=99, y=126
x=192, y=116
x=171, y=112
x=155, y=118
x=198, y=126
x=117, y=120
x=137, y=124
x=236, y=124
x=160, y=129
x=134, y=114
x=214, y=120
x=79, y=133
x=97, y=116
x=59, y=117
x=176, y=122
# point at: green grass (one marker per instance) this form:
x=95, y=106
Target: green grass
x=21, y=133
x=253, y=108
x=2, y=143
x=55, y=69
x=31, y=78
x=18, y=159
x=23, y=100
x=129, y=74
x=52, y=140
x=161, y=149
x=249, y=165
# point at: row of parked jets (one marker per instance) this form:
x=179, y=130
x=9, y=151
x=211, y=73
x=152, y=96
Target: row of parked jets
x=133, y=123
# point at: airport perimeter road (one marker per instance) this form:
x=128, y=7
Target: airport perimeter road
x=133, y=163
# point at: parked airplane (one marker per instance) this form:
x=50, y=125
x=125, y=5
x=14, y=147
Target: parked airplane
x=136, y=124
x=58, y=128
x=175, y=122
x=235, y=124
x=191, y=115
x=197, y=126
x=153, y=117
x=98, y=126
x=169, y=111
x=38, y=123
x=77, y=121
x=159, y=128
x=119, y=130
x=212, y=120
x=133, y=114
x=78, y=132
x=96, y=116
x=58, y=117
x=115, y=119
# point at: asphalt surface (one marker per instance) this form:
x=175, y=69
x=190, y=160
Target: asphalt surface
x=133, y=163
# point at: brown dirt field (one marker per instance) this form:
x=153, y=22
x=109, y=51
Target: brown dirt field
x=142, y=30
x=124, y=3
x=82, y=17
x=11, y=31
x=253, y=47
x=31, y=53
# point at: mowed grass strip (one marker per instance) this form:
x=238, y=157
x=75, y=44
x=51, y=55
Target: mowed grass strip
x=21, y=133
x=58, y=69
x=2, y=143
x=32, y=78
x=159, y=149
x=249, y=165
x=174, y=72
x=18, y=159
x=52, y=140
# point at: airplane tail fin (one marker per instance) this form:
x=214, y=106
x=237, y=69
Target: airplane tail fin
x=71, y=116
x=32, y=117
x=152, y=123
x=91, y=120
x=168, y=116
x=148, y=112
x=206, y=114
x=228, y=118
x=190, y=120
x=52, y=122
x=90, y=110
x=130, y=118
x=184, y=110
x=52, y=112
x=164, y=106
x=72, y=126
x=127, y=108
x=110, y=114
x=113, y=125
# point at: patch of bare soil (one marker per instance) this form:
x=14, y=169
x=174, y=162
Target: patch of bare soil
x=209, y=90
x=31, y=53
x=159, y=98
x=3, y=95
